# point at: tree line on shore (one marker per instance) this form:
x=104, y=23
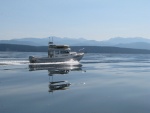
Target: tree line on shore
x=86, y=49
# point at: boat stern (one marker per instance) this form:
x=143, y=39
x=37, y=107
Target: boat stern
x=32, y=59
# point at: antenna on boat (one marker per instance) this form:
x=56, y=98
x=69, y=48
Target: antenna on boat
x=50, y=40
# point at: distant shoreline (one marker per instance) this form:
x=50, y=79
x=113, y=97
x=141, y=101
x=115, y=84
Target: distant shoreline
x=87, y=49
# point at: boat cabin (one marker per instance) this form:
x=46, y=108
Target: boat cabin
x=58, y=50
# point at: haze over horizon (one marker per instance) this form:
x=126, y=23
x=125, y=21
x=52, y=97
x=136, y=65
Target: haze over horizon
x=90, y=19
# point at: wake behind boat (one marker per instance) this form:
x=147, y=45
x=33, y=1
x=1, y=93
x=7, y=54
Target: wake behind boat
x=57, y=53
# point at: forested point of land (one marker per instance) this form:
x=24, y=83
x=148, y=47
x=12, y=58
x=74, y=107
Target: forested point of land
x=87, y=49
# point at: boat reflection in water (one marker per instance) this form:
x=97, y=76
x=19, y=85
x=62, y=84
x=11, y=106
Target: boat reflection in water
x=56, y=69
x=58, y=85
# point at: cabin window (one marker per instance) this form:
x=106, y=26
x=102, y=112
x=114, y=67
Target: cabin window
x=56, y=52
x=64, y=52
x=51, y=46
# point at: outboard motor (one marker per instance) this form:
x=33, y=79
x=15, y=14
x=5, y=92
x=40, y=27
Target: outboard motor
x=32, y=59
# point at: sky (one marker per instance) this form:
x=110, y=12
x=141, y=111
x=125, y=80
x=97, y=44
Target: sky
x=89, y=19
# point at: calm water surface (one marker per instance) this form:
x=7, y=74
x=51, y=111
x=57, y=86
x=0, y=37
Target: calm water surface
x=100, y=83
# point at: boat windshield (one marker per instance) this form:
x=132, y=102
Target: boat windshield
x=59, y=46
x=62, y=47
x=64, y=52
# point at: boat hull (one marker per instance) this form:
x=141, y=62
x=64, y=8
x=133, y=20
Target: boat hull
x=77, y=57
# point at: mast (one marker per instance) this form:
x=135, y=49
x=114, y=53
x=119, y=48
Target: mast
x=50, y=48
x=50, y=40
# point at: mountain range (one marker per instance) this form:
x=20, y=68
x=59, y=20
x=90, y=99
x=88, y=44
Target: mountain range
x=135, y=43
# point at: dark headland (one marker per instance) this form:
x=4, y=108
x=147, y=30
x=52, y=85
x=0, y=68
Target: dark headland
x=87, y=49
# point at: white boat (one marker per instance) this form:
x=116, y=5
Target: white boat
x=57, y=53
